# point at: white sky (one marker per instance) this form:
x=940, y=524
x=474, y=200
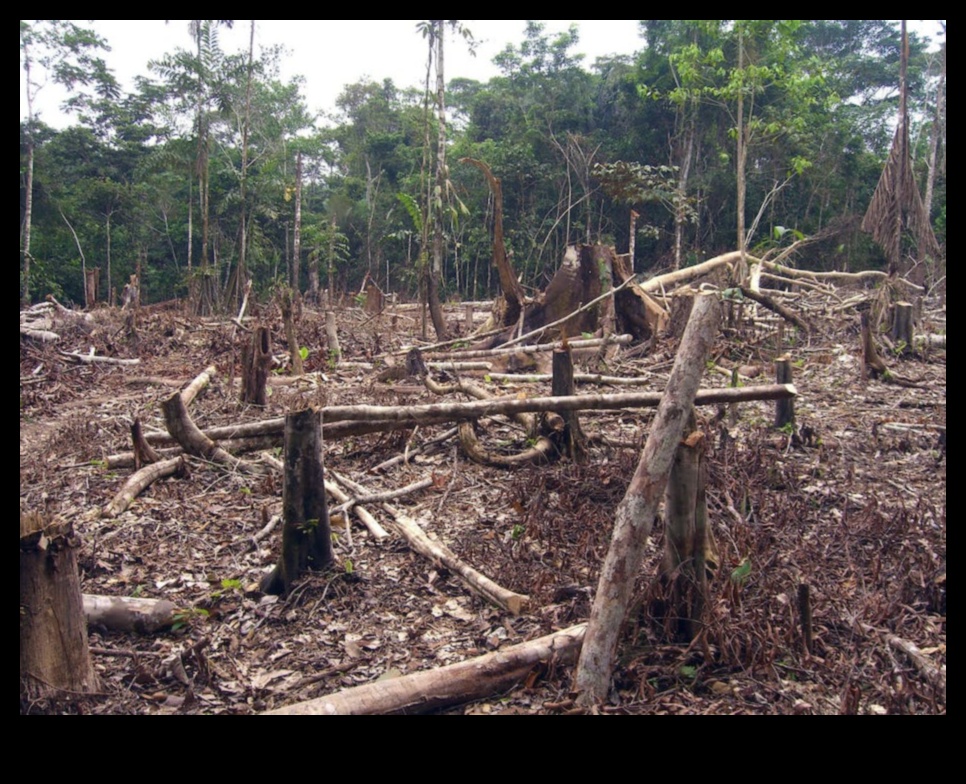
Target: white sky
x=333, y=53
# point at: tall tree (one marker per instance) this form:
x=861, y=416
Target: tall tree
x=61, y=51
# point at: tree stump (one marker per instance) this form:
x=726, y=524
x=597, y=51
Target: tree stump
x=306, y=535
x=688, y=547
x=54, y=656
x=332, y=338
x=574, y=443
x=287, y=305
x=681, y=303
x=902, y=333
x=256, y=362
x=784, y=409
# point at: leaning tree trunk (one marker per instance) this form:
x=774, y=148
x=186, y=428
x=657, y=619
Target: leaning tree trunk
x=636, y=512
x=306, y=537
x=54, y=657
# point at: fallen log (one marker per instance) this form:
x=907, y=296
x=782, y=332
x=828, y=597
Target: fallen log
x=129, y=614
x=138, y=482
x=535, y=349
x=442, y=556
x=199, y=382
x=776, y=307
x=420, y=692
x=371, y=419
x=91, y=359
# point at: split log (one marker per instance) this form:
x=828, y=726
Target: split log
x=636, y=512
x=128, y=614
x=54, y=657
x=474, y=679
x=138, y=482
x=306, y=535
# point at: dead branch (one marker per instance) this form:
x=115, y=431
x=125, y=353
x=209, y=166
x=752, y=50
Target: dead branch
x=386, y=495
x=775, y=307
x=542, y=451
x=441, y=555
x=91, y=359
x=474, y=679
x=138, y=482
x=190, y=392
x=503, y=350
x=690, y=273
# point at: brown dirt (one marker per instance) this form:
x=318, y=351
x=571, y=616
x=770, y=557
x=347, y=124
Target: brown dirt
x=853, y=504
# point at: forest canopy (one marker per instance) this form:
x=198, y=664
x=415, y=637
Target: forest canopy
x=192, y=174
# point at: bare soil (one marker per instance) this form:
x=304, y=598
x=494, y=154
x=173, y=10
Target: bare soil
x=851, y=503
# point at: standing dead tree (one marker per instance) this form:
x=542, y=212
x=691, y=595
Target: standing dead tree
x=636, y=512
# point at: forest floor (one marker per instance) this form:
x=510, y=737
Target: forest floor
x=851, y=504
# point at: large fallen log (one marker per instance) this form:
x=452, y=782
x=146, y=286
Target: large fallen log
x=371, y=419
x=454, y=684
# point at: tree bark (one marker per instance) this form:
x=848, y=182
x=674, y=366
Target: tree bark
x=473, y=679
x=54, y=656
x=784, y=409
x=256, y=362
x=575, y=445
x=306, y=536
x=636, y=512
x=287, y=304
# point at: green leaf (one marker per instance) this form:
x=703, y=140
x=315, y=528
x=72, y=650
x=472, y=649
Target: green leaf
x=304, y=353
x=741, y=572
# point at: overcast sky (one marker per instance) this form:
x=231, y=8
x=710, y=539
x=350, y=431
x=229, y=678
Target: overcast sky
x=331, y=54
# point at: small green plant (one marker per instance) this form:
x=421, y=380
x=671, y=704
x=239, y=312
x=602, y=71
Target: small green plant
x=798, y=363
x=488, y=378
x=310, y=525
x=347, y=565
x=517, y=532
x=741, y=572
x=304, y=353
x=688, y=671
x=788, y=429
x=99, y=463
x=245, y=490
x=185, y=617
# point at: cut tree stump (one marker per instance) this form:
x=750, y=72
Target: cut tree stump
x=784, y=409
x=575, y=446
x=902, y=333
x=256, y=364
x=54, y=656
x=306, y=536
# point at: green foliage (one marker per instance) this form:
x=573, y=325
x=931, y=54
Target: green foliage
x=188, y=616
x=741, y=572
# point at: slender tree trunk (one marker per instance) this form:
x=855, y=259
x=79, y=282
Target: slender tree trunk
x=110, y=291
x=937, y=132
x=439, y=195
x=242, y=274
x=741, y=153
x=297, y=233
x=29, y=196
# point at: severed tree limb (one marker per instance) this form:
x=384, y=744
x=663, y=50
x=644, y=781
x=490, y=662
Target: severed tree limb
x=90, y=359
x=541, y=452
x=420, y=692
x=504, y=350
x=441, y=555
x=190, y=392
x=187, y=434
x=775, y=307
x=387, y=495
x=636, y=512
x=364, y=515
x=129, y=614
x=690, y=273
x=935, y=676
x=138, y=482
